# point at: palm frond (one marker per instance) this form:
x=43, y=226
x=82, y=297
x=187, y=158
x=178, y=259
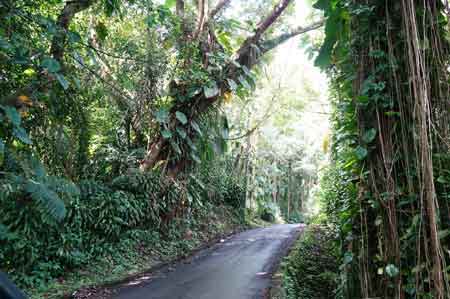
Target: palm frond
x=46, y=198
x=62, y=186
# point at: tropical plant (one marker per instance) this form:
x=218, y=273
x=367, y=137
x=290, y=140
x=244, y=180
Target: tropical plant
x=387, y=63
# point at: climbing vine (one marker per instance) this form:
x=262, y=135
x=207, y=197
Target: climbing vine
x=388, y=66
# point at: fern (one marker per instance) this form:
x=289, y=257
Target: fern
x=47, y=198
x=91, y=188
x=62, y=186
x=31, y=180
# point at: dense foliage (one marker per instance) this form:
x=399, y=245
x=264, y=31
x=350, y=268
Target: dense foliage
x=96, y=217
x=310, y=270
x=111, y=125
x=387, y=187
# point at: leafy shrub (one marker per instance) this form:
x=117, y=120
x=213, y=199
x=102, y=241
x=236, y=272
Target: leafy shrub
x=35, y=241
x=296, y=217
x=269, y=211
x=50, y=225
x=221, y=185
x=310, y=272
x=29, y=186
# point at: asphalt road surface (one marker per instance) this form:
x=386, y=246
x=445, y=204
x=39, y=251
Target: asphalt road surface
x=239, y=267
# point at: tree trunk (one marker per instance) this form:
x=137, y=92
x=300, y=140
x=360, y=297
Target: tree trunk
x=247, y=56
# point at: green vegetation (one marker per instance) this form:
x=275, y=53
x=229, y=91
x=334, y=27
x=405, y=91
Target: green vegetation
x=138, y=250
x=117, y=144
x=311, y=269
x=95, y=220
x=386, y=189
x=129, y=122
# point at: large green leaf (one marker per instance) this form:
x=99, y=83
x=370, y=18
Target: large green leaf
x=52, y=65
x=181, y=132
x=361, y=153
x=322, y=4
x=191, y=144
x=246, y=70
x=13, y=115
x=22, y=135
x=74, y=37
x=62, y=186
x=176, y=147
x=392, y=270
x=162, y=115
x=348, y=258
x=333, y=27
x=211, y=90
x=112, y=6
x=370, y=135
x=181, y=117
x=166, y=134
x=37, y=169
x=196, y=127
x=244, y=82
x=233, y=85
x=62, y=80
x=225, y=40
x=323, y=60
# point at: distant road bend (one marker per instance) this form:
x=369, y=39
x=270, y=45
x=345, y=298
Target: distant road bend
x=240, y=267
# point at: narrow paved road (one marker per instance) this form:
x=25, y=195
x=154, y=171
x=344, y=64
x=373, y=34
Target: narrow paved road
x=238, y=268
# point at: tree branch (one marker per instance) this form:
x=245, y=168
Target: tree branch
x=245, y=53
x=68, y=13
x=202, y=8
x=276, y=41
x=218, y=8
x=204, y=22
x=265, y=117
x=180, y=11
x=180, y=8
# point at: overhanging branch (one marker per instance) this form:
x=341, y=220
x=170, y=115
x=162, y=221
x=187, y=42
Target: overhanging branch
x=276, y=41
x=218, y=8
x=207, y=19
x=245, y=52
x=68, y=13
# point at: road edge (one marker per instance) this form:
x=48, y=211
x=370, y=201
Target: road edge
x=286, y=249
x=105, y=289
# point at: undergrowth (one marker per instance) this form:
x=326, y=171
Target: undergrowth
x=112, y=226
x=140, y=250
x=310, y=271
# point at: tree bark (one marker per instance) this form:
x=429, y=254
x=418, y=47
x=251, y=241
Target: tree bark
x=65, y=17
